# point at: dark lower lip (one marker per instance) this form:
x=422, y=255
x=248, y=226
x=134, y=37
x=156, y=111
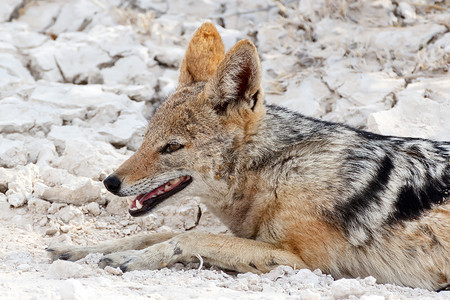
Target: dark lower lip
x=148, y=205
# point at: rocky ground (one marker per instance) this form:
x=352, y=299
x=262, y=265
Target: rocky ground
x=80, y=78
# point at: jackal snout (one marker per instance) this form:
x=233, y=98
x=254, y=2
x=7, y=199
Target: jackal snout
x=112, y=183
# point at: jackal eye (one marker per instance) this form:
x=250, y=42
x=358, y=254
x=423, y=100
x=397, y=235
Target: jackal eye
x=171, y=147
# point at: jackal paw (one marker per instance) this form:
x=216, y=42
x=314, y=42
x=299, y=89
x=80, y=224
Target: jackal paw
x=152, y=258
x=126, y=261
x=66, y=252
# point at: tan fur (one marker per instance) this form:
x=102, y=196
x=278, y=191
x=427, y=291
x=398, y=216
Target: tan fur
x=276, y=213
x=204, y=53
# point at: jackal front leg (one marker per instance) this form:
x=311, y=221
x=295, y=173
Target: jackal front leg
x=228, y=252
x=135, y=242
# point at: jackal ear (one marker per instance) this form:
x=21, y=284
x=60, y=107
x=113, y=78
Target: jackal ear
x=203, y=55
x=237, y=81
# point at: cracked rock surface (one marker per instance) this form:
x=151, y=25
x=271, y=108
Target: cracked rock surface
x=80, y=78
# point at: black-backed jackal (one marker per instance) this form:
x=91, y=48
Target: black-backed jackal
x=294, y=190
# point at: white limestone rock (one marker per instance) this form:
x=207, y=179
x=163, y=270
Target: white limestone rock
x=128, y=130
x=39, y=150
x=305, y=96
x=6, y=9
x=362, y=94
x=109, y=55
x=24, y=116
x=70, y=15
x=42, y=152
x=134, y=92
x=12, y=153
x=96, y=160
x=73, y=97
x=18, y=183
x=62, y=134
x=409, y=38
x=62, y=269
x=60, y=186
x=19, y=36
x=69, y=213
x=422, y=110
x=37, y=205
x=78, y=192
x=116, y=205
x=12, y=74
x=16, y=199
x=345, y=288
x=407, y=12
x=272, y=36
x=93, y=208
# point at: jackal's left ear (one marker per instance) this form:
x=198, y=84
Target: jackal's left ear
x=237, y=81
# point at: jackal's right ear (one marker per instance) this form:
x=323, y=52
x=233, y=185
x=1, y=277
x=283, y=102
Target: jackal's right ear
x=237, y=81
x=204, y=53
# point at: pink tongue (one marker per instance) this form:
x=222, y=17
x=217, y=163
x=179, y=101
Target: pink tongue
x=143, y=197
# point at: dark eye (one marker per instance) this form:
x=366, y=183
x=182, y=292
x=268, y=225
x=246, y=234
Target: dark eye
x=171, y=147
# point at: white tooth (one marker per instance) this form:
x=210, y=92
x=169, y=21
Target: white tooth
x=138, y=205
x=160, y=192
x=174, y=181
x=130, y=201
x=166, y=188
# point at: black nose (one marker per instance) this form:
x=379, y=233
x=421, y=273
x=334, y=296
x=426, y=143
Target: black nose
x=112, y=183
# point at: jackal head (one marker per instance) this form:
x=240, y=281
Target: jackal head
x=215, y=109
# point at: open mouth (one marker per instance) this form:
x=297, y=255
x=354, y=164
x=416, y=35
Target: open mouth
x=145, y=202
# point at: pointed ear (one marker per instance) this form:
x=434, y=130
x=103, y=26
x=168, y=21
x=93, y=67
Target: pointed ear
x=237, y=81
x=203, y=55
